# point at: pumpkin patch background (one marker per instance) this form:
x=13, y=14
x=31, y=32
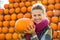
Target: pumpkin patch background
x=17, y=9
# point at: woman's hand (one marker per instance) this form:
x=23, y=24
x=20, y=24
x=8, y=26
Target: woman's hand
x=30, y=30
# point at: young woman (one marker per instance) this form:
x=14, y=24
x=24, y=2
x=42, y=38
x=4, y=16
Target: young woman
x=41, y=30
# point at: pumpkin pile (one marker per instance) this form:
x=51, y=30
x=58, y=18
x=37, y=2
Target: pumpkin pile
x=17, y=9
x=12, y=12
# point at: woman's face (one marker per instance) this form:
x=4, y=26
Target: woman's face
x=37, y=15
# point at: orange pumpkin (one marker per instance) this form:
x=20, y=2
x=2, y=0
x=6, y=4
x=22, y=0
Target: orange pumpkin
x=0, y=30
x=11, y=30
x=53, y=26
x=13, y=16
x=16, y=5
x=58, y=26
x=12, y=23
x=27, y=4
x=55, y=19
x=22, y=24
x=58, y=34
x=11, y=1
x=7, y=17
x=55, y=34
x=33, y=2
x=2, y=36
x=50, y=13
x=28, y=15
x=8, y=36
x=4, y=29
x=1, y=23
x=57, y=6
x=45, y=2
x=5, y=23
x=51, y=1
x=56, y=12
x=1, y=17
x=17, y=10
x=11, y=11
x=16, y=0
x=21, y=4
x=29, y=9
x=23, y=9
x=1, y=11
x=11, y=5
x=15, y=36
x=6, y=6
x=20, y=15
x=51, y=7
x=57, y=1
x=6, y=11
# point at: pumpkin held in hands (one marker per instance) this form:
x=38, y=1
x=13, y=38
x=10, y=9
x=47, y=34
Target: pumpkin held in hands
x=22, y=24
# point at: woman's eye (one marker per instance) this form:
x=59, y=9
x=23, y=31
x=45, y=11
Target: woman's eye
x=39, y=15
x=34, y=15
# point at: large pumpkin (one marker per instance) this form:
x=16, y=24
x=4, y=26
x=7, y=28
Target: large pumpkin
x=22, y=24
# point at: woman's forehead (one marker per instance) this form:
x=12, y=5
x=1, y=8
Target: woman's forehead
x=37, y=11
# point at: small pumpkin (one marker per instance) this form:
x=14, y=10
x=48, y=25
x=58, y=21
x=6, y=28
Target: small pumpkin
x=23, y=9
x=27, y=4
x=45, y=2
x=57, y=1
x=11, y=29
x=29, y=9
x=51, y=7
x=22, y=24
x=55, y=34
x=27, y=15
x=8, y=36
x=16, y=5
x=17, y=10
x=33, y=2
x=7, y=17
x=12, y=23
x=53, y=26
x=55, y=19
x=11, y=11
x=49, y=13
x=6, y=11
x=13, y=16
x=57, y=6
x=15, y=36
x=4, y=29
x=51, y=1
x=6, y=6
x=21, y=4
x=11, y=5
x=2, y=36
x=5, y=23
x=20, y=15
